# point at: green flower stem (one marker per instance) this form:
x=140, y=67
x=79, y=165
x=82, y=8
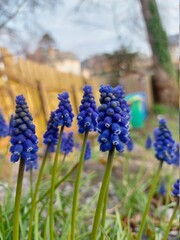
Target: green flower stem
x=51, y=219
x=34, y=196
x=77, y=186
x=59, y=182
x=31, y=182
x=171, y=221
x=103, y=220
x=151, y=193
x=18, y=200
x=104, y=187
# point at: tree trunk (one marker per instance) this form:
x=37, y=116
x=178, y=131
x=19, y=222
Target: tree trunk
x=166, y=84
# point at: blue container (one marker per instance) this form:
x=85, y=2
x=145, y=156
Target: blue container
x=138, y=103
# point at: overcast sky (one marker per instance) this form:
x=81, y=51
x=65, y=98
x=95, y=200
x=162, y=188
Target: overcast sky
x=104, y=28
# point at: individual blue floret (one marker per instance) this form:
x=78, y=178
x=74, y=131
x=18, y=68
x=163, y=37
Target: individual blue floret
x=87, y=117
x=51, y=134
x=176, y=189
x=24, y=140
x=64, y=114
x=87, y=154
x=4, y=130
x=164, y=143
x=113, y=120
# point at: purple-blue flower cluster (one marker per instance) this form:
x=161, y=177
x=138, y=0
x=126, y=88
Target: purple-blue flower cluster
x=176, y=160
x=87, y=117
x=113, y=119
x=4, y=130
x=51, y=134
x=130, y=145
x=64, y=114
x=67, y=143
x=87, y=154
x=162, y=188
x=164, y=143
x=148, y=143
x=176, y=189
x=24, y=140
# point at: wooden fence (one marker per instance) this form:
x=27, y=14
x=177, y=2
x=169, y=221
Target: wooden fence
x=40, y=84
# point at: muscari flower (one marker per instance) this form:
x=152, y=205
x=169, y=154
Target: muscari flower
x=87, y=154
x=130, y=145
x=162, y=188
x=67, y=143
x=51, y=134
x=3, y=126
x=176, y=160
x=24, y=140
x=148, y=143
x=113, y=120
x=164, y=143
x=11, y=122
x=176, y=189
x=87, y=117
x=64, y=115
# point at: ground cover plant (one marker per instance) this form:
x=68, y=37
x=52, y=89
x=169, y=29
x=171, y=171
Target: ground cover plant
x=66, y=189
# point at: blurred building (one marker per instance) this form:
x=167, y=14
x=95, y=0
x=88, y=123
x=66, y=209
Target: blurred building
x=47, y=53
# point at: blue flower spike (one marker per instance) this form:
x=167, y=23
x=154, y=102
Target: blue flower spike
x=11, y=124
x=164, y=145
x=130, y=145
x=4, y=130
x=113, y=119
x=67, y=143
x=176, y=189
x=24, y=142
x=64, y=114
x=24, y=147
x=113, y=127
x=87, y=155
x=149, y=143
x=87, y=117
x=51, y=134
x=162, y=188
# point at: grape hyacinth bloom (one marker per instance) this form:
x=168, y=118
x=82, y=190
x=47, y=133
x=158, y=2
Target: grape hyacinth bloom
x=3, y=126
x=87, y=122
x=113, y=127
x=24, y=148
x=51, y=134
x=11, y=124
x=64, y=114
x=87, y=155
x=63, y=117
x=162, y=188
x=130, y=145
x=176, y=160
x=87, y=117
x=165, y=152
x=164, y=144
x=176, y=194
x=113, y=120
x=149, y=143
x=176, y=189
x=24, y=140
x=67, y=143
